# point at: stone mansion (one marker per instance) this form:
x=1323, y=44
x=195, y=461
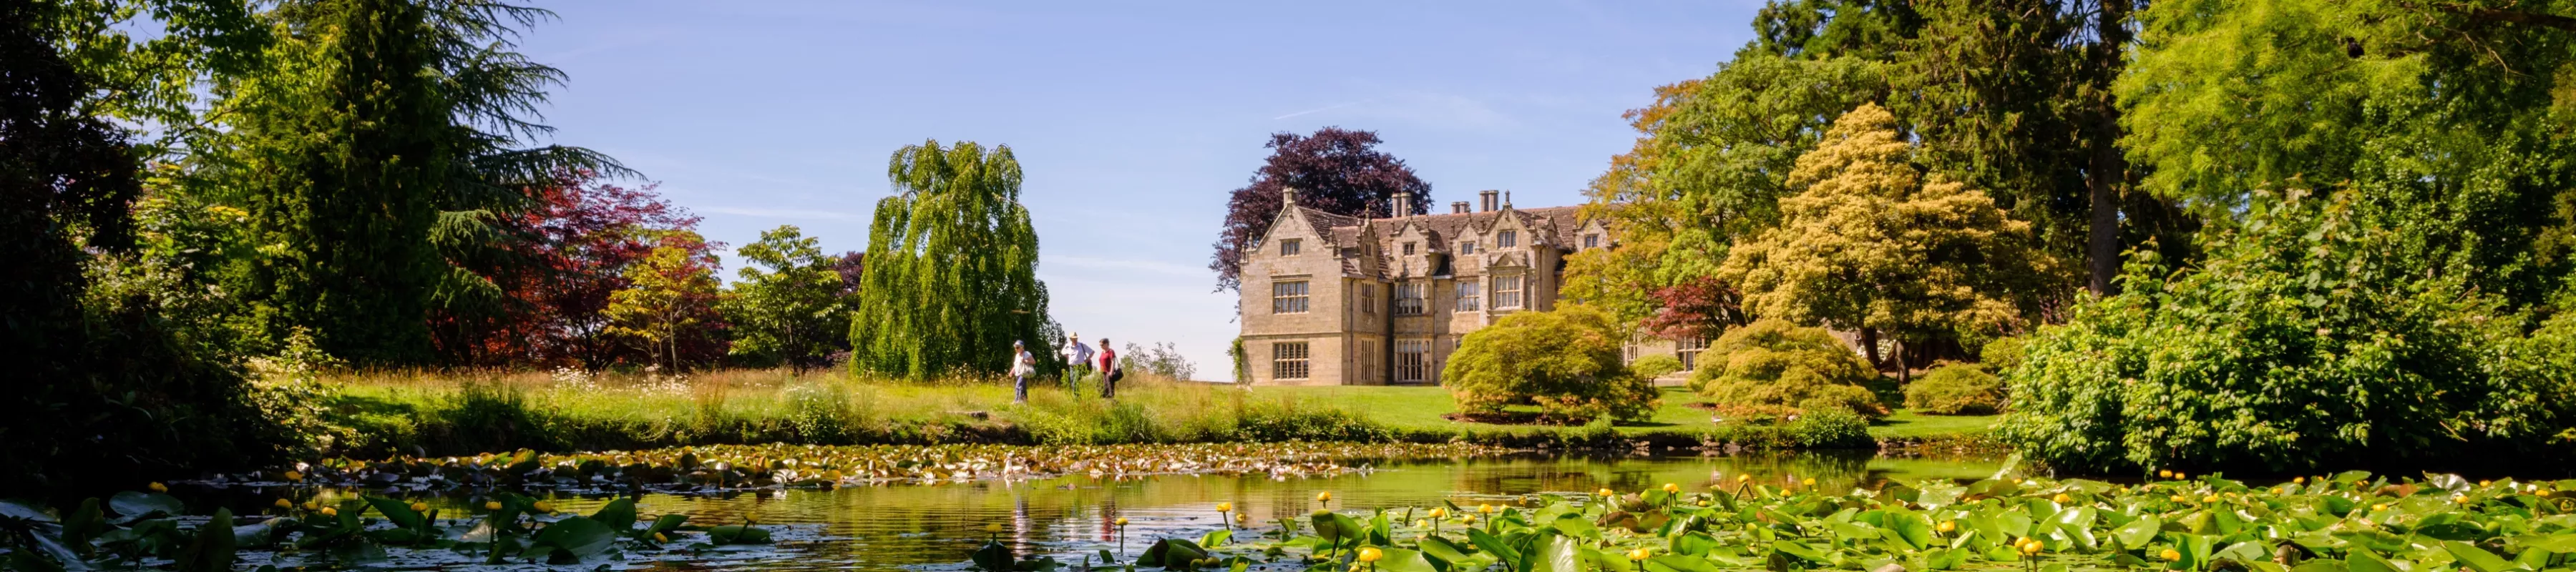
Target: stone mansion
x=1338, y=300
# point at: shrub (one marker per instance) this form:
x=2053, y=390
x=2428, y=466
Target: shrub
x=1773, y=362
x=2002, y=354
x=1565, y=360
x=2301, y=339
x=1655, y=366
x=1956, y=389
x=1832, y=428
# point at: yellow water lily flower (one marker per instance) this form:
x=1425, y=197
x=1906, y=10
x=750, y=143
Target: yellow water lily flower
x=492, y=505
x=283, y=504
x=294, y=476
x=2298, y=480
x=328, y=511
x=1326, y=496
x=1225, y=507
x=1121, y=522
x=2170, y=555
x=1640, y=554
x=1371, y=554
x=1811, y=481
x=545, y=507
x=1949, y=526
x=658, y=537
x=1743, y=478
x=993, y=528
x=420, y=507
x=1486, y=509
x=2061, y=498
x=1241, y=518
x=1607, y=493
x=159, y=488
x=1670, y=488
x=1439, y=513
x=2164, y=473
x=2378, y=507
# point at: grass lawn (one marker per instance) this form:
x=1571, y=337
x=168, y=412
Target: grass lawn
x=1421, y=408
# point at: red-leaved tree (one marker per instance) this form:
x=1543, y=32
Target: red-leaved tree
x=558, y=263
x=1335, y=170
x=1700, y=307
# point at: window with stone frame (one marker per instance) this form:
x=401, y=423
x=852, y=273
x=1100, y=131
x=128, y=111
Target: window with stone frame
x=1507, y=292
x=1412, y=361
x=1592, y=240
x=1688, y=350
x=1408, y=299
x=1408, y=249
x=1368, y=299
x=1507, y=239
x=1470, y=299
x=1288, y=297
x=1288, y=360
x=1291, y=246
x=1466, y=247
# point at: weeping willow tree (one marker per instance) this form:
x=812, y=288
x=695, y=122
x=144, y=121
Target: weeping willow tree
x=374, y=152
x=951, y=278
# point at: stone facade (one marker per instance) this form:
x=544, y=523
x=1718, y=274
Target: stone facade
x=1337, y=300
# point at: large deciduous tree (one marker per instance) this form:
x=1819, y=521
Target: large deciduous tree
x=1335, y=170
x=951, y=275
x=100, y=391
x=1708, y=169
x=561, y=260
x=1872, y=244
x=668, y=308
x=793, y=313
x=376, y=153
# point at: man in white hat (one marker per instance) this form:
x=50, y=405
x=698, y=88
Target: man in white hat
x=1077, y=360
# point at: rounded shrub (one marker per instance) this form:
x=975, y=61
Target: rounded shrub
x=1566, y=361
x=1831, y=428
x=1956, y=389
x=1655, y=366
x=1774, y=362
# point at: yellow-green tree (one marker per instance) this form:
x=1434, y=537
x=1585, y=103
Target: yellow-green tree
x=670, y=307
x=1871, y=243
x=1566, y=361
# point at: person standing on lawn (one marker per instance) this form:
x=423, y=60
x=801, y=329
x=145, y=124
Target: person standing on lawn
x=1110, y=372
x=1023, y=365
x=1077, y=363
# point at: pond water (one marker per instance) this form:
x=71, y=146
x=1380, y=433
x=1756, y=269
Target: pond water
x=923, y=527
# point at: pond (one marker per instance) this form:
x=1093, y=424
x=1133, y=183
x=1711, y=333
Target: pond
x=937, y=526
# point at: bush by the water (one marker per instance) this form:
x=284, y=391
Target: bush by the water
x=1956, y=389
x=1655, y=366
x=1566, y=361
x=1832, y=428
x=1774, y=362
x=2301, y=340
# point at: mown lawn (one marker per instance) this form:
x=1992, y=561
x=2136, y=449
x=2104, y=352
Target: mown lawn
x=1421, y=408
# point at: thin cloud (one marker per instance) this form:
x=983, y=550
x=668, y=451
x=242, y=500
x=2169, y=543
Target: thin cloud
x=1320, y=109
x=778, y=213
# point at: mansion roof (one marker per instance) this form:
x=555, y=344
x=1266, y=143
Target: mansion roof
x=1553, y=226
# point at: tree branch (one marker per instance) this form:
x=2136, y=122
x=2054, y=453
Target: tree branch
x=2491, y=15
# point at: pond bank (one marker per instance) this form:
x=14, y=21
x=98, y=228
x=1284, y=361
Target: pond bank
x=374, y=415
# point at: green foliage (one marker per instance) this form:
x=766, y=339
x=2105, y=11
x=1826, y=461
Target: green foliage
x=1773, y=362
x=1832, y=426
x=373, y=153
x=2305, y=338
x=1707, y=169
x=1164, y=360
x=1655, y=366
x=669, y=305
x=951, y=280
x=795, y=313
x=1564, y=360
x=2447, y=121
x=1870, y=243
x=1956, y=389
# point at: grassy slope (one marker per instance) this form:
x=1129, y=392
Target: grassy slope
x=1421, y=408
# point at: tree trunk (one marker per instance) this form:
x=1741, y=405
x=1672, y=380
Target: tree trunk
x=1869, y=347
x=2109, y=169
x=1904, y=373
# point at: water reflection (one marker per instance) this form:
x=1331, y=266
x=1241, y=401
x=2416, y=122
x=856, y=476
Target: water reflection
x=936, y=526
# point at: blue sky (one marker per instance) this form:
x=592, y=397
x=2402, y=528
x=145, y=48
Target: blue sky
x=1132, y=120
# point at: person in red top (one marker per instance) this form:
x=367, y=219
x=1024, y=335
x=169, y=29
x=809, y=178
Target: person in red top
x=1110, y=372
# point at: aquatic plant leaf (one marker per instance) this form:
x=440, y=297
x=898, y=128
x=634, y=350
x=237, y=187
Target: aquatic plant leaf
x=618, y=515
x=574, y=539
x=2137, y=533
x=1679, y=563
x=211, y=548
x=139, y=505
x=993, y=557
x=737, y=534
x=2366, y=561
x=1556, y=552
x=397, y=512
x=1393, y=559
x=2478, y=558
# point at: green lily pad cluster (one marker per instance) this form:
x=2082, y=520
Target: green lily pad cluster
x=2352, y=522
x=778, y=465
x=154, y=530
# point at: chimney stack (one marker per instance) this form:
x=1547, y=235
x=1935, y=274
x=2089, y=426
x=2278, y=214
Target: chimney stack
x=1288, y=196
x=1507, y=199
x=1459, y=207
x=1401, y=207
x=1486, y=200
